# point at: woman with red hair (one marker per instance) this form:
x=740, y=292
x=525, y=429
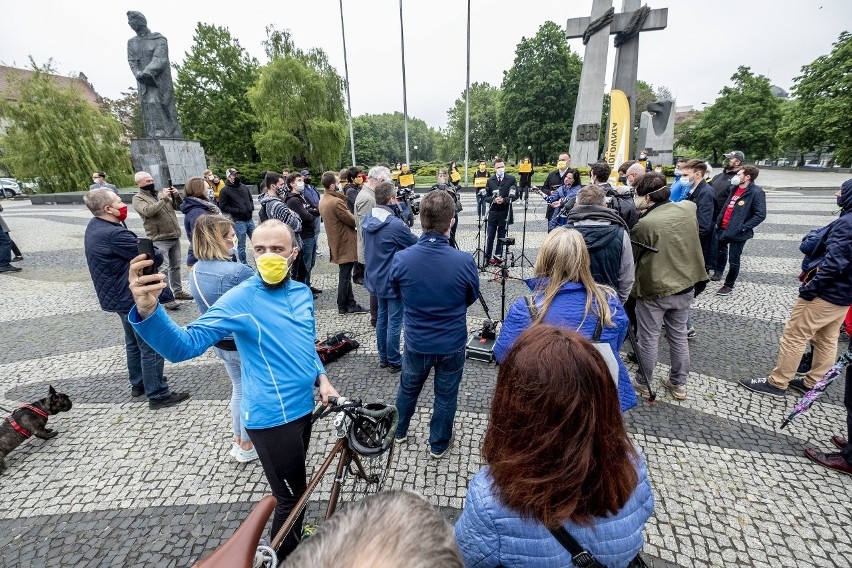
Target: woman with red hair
x=558, y=457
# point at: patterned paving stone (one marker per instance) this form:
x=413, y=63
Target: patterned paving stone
x=123, y=483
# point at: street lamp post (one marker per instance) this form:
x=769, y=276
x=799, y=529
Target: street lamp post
x=529, y=152
x=415, y=152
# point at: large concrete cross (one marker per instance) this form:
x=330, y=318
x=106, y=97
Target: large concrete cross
x=585, y=134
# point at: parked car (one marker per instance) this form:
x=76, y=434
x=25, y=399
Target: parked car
x=10, y=188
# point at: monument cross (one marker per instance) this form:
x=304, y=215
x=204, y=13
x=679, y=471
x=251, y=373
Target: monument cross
x=585, y=133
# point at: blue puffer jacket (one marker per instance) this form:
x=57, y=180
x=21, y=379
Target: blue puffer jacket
x=109, y=249
x=489, y=534
x=567, y=311
x=385, y=234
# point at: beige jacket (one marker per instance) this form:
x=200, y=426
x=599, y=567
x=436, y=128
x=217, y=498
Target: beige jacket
x=364, y=203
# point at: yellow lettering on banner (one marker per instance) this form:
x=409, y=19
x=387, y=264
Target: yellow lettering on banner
x=524, y=168
x=406, y=180
x=455, y=177
x=480, y=182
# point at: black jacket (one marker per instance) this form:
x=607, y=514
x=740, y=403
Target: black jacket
x=833, y=279
x=721, y=184
x=705, y=201
x=604, y=242
x=501, y=213
x=749, y=212
x=307, y=214
x=236, y=201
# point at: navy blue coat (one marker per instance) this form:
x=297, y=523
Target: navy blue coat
x=705, y=202
x=833, y=280
x=109, y=249
x=749, y=212
x=385, y=234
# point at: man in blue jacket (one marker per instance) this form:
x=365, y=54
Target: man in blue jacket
x=271, y=318
x=437, y=283
x=744, y=209
x=385, y=234
x=818, y=312
x=109, y=247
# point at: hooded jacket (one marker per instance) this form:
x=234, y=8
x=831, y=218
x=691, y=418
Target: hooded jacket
x=833, y=279
x=235, y=200
x=385, y=234
x=275, y=208
x=608, y=240
x=721, y=183
x=193, y=208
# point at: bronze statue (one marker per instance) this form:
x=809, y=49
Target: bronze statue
x=148, y=56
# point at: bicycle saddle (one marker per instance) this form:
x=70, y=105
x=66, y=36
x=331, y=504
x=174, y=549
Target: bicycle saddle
x=238, y=550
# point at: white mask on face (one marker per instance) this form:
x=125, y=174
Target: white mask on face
x=300, y=186
x=640, y=202
x=500, y=172
x=736, y=180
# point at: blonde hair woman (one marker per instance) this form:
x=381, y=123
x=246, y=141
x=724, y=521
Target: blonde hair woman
x=564, y=294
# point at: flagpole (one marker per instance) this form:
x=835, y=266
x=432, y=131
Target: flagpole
x=467, y=103
x=348, y=97
x=404, y=96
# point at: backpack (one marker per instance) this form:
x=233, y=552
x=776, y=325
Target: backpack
x=336, y=346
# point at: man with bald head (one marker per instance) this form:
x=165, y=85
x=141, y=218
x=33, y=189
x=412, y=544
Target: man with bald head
x=271, y=317
x=634, y=172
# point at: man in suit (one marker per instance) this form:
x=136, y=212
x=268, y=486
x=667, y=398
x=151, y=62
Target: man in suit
x=554, y=179
x=500, y=191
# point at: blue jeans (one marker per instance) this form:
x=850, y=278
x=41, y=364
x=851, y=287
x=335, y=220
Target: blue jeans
x=231, y=359
x=308, y=252
x=415, y=370
x=732, y=258
x=243, y=228
x=388, y=325
x=144, y=365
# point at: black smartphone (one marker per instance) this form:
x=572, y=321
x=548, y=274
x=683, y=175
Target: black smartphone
x=146, y=247
x=170, y=183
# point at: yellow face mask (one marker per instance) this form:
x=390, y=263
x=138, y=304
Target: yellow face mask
x=561, y=165
x=404, y=169
x=272, y=267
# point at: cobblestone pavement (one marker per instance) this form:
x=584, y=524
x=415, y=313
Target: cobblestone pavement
x=123, y=484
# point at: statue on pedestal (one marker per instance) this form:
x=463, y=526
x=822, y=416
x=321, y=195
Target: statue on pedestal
x=148, y=56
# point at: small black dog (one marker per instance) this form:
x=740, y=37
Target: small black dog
x=31, y=420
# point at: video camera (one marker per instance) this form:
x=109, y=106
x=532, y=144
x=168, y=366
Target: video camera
x=489, y=329
x=506, y=241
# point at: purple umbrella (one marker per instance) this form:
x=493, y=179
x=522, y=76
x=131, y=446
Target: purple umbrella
x=819, y=388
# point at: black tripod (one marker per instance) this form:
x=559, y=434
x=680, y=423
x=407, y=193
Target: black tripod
x=479, y=253
x=504, y=274
x=523, y=258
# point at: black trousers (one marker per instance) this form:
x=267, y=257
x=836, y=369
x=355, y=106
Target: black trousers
x=282, y=451
x=492, y=230
x=358, y=271
x=345, y=297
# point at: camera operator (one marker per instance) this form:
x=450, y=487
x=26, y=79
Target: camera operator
x=444, y=185
x=500, y=190
x=435, y=330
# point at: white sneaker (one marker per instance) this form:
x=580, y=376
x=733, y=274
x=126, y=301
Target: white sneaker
x=233, y=451
x=245, y=456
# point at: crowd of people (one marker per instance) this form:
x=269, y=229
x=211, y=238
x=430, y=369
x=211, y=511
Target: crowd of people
x=629, y=256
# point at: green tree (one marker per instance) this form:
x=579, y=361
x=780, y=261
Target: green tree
x=746, y=116
x=484, y=139
x=820, y=115
x=211, y=95
x=380, y=138
x=128, y=113
x=539, y=93
x=56, y=136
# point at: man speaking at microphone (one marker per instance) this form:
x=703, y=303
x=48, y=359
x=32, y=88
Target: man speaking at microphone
x=500, y=191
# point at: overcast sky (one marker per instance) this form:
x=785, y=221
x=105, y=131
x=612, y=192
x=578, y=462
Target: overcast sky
x=694, y=57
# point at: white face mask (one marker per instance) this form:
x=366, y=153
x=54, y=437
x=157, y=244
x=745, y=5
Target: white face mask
x=677, y=172
x=300, y=186
x=640, y=203
x=500, y=172
x=736, y=180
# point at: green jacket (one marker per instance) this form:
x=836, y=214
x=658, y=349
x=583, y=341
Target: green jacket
x=673, y=229
x=158, y=215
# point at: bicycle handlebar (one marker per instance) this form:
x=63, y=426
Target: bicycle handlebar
x=354, y=406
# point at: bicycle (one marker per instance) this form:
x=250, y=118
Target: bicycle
x=364, y=450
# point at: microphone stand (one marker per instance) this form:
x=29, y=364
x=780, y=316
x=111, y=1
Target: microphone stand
x=479, y=253
x=523, y=258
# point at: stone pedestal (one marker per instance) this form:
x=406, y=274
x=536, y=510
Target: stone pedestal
x=168, y=159
x=656, y=133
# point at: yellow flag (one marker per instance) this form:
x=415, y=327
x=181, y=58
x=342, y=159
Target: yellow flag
x=617, y=133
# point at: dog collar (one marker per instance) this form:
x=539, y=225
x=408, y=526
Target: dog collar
x=20, y=429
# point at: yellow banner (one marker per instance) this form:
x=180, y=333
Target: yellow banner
x=524, y=168
x=455, y=176
x=395, y=175
x=618, y=133
x=406, y=180
x=480, y=181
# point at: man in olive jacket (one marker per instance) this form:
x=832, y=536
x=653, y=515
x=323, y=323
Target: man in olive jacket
x=665, y=280
x=157, y=209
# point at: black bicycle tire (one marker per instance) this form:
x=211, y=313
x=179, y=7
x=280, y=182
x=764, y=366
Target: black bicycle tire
x=353, y=487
